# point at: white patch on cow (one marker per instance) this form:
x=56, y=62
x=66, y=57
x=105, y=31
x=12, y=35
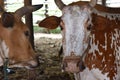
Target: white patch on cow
x=110, y=55
x=100, y=53
x=94, y=74
x=99, y=75
x=74, y=19
x=94, y=47
x=103, y=60
x=112, y=42
x=93, y=65
x=104, y=46
x=115, y=43
x=4, y=50
x=1, y=61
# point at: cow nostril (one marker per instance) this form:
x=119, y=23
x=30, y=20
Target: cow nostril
x=81, y=65
x=78, y=64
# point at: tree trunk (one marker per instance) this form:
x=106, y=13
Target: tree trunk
x=2, y=3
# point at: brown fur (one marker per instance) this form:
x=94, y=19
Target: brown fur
x=18, y=44
x=16, y=35
x=7, y=19
x=53, y=22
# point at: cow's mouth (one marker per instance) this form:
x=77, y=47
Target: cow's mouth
x=31, y=64
x=73, y=64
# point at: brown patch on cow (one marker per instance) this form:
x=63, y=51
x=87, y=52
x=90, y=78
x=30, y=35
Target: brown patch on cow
x=51, y=22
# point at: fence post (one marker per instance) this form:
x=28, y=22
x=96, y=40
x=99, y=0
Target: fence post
x=29, y=22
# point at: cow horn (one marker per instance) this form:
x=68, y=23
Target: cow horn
x=60, y=4
x=27, y=9
x=93, y=3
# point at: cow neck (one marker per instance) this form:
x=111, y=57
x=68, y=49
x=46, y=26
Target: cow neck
x=86, y=51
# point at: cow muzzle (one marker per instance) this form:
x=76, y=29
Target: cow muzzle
x=73, y=64
x=31, y=64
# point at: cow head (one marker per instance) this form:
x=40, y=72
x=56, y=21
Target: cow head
x=76, y=25
x=14, y=39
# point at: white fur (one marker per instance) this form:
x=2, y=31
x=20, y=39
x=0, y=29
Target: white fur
x=94, y=74
x=4, y=50
x=74, y=19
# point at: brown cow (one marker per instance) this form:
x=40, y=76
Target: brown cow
x=91, y=39
x=14, y=39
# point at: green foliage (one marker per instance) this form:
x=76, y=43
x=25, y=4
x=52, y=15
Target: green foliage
x=55, y=31
x=43, y=30
x=36, y=29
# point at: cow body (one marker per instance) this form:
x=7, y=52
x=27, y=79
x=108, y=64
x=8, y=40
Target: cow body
x=104, y=53
x=14, y=39
x=91, y=40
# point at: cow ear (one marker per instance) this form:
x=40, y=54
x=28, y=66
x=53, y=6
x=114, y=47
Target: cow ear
x=50, y=22
x=7, y=19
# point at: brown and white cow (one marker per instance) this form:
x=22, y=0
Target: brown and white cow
x=91, y=39
x=14, y=39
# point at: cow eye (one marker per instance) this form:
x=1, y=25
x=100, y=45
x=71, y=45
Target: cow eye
x=61, y=28
x=89, y=28
x=27, y=33
x=62, y=25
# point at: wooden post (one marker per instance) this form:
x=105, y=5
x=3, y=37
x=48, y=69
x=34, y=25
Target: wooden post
x=29, y=22
x=103, y=2
x=46, y=14
x=2, y=3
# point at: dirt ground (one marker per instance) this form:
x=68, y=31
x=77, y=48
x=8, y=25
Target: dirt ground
x=47, y=48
